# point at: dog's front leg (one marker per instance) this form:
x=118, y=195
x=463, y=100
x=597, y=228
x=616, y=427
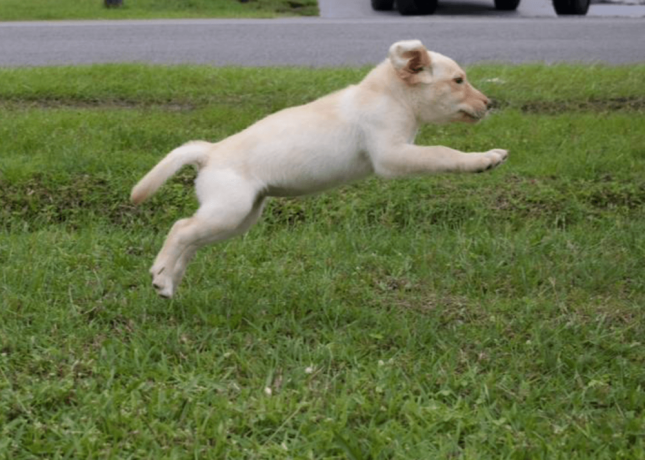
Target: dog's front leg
x=407, y=160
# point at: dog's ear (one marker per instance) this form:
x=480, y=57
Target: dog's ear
x=411, y=61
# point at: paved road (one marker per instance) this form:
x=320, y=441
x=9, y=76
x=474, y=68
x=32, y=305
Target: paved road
x=331, y=41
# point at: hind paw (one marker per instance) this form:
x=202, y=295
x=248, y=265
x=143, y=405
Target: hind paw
x=162, y=283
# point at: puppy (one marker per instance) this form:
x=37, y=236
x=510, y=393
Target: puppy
x=361, y=130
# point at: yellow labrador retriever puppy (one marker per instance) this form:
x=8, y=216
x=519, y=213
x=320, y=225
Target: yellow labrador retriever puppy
x=364, y=129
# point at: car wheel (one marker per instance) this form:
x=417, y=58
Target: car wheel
x=382, y=5
x=507, y=5
x=571, y=6
x=412, y=7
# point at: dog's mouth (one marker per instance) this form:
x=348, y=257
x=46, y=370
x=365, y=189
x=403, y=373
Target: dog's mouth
x=470, y=117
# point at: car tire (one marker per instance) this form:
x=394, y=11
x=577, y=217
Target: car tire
x=416, y=7
x=579, y=7
x=382, y=5
x=507, y=5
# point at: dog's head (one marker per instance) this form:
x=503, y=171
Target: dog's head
x=436, y=86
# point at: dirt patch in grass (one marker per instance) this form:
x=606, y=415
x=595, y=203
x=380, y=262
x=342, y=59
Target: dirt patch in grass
x=602, y=105
x=89, y=104
x=70, y=200
x=630, y=104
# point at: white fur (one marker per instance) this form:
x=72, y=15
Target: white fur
x=364, y=129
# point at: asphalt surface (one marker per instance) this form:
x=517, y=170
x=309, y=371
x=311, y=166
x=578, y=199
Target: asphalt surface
x=347, y=33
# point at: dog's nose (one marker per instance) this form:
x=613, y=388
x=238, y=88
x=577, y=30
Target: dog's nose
x=489, y=104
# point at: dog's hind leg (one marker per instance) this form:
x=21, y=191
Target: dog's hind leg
x=189, y=253
x=230, y=204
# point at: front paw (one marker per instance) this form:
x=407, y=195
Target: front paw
x=491, y=159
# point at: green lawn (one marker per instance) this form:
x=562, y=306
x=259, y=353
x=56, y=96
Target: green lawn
x=12, y=10
x=490, y=316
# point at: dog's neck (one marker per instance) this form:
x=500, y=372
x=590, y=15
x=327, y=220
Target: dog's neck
x=384, y=81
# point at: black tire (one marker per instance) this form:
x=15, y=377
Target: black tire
x=414, y=7
x=382, y=5
x=507, y=5
x=579, y=7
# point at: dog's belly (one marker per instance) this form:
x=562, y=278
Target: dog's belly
x=317, y=176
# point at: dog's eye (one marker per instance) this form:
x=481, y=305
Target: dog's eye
x=459, y=80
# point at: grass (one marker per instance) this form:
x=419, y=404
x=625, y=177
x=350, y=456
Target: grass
x=490, y=316
x=29, y=10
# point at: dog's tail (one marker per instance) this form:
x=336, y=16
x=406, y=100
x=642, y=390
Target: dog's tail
x=194, y=153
